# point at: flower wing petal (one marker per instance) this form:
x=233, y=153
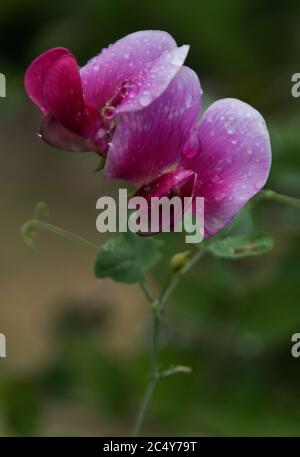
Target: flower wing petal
x=233, y=160
x=55, y=134
x=149, y=142
x=62, y=93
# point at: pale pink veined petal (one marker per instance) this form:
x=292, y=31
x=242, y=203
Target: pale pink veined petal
x=147, y=143
x=232, y=160
x=127, y=68
x=36, y=73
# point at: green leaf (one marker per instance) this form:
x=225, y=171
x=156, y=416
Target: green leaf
x=237, y=247
x=126, y=257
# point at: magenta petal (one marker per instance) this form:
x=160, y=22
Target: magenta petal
x=148, y=142
x=179, y=183
x=168, y=184
x=125, y=62
x=232, y=160
x=37, y=72
x=63, y=94
x=53, y=133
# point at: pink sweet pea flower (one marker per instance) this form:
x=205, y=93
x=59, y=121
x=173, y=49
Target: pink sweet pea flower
x=164, y=150
x=80, y=106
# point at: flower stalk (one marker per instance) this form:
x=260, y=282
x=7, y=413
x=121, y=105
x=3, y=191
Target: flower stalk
x=269, y=194
x=158, y=309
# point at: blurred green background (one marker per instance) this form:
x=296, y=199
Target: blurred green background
x=77, y=349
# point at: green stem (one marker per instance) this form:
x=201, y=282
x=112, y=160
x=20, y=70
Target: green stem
x=275, y=196
x=158, y=307
x=153, y=377
x=147, y=292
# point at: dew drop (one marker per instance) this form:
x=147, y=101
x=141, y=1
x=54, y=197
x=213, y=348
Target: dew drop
x=100, y=134
x=188, y=101
x=145, y=98
x=216, y=179
x=191, y=148
x=219, y=196
x=109, y=112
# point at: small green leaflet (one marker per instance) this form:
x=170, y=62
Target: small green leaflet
x=237, y=247
x=125, y=257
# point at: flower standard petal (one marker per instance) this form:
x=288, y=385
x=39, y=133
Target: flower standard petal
x=127, y=69
x=232, y=160
x=37, y=72
x=147, y=143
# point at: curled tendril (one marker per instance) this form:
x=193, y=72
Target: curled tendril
x=40, y=211
x=29, y=228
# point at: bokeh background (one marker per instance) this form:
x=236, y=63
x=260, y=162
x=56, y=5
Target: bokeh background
x=77, y=348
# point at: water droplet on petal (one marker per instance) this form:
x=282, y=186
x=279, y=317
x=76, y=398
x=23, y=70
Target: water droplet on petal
x=192, y=146
x=188, y=101
x=219, y=196
x=216, y=179
x=109, y=112
x=100, y=134
x=145, y=98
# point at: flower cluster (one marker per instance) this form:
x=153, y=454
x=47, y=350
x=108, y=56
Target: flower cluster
x=139, y=106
